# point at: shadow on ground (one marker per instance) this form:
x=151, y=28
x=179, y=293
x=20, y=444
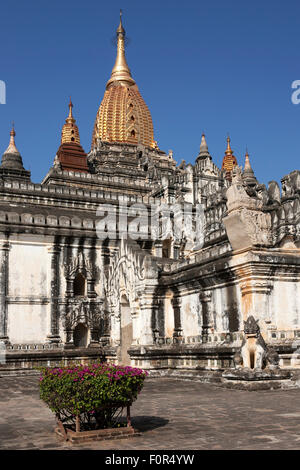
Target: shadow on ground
x=148, y=423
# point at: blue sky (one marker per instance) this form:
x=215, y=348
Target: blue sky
x=216, y=66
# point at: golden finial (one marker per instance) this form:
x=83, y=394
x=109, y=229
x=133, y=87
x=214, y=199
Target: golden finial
x=120, y=28
x=12, y=132
x=228, y=150
x=121, y=71
x=70, y=131
x=229, y=160
x=70, y=118
x=12, y=146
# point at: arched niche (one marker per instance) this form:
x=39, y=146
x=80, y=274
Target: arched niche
x=80, y=336
x=79, y=285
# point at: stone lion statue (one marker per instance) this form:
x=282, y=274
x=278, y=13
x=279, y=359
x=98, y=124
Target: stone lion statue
x=254, y=353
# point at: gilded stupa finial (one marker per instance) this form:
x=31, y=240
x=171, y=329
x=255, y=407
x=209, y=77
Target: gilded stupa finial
x=229, y=160
x=120, y=28
x=229, y=149
x=70, y=118
x=123, y=116
x=70, y=131
x=121, y=72
x=12, y=146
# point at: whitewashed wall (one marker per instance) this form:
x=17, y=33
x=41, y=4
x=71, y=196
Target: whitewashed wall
x=284, y=305
x=191, y=315
x=28, y=312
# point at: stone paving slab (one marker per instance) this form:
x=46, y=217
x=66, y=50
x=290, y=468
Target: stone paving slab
x=170, y=414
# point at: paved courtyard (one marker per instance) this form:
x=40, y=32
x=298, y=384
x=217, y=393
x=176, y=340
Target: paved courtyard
x=171, y=414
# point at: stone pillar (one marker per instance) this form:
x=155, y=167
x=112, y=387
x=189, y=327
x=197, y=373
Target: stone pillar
x=105, y=328
x=177, y=334
x=54, y=337
x=135, y=323
x=146, y=307
x=135, y=318
x=4, y=258
x=157, y=320
x=115, y=326
x=207, y=316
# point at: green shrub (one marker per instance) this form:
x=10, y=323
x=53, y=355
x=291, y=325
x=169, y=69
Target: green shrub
x=87, y=391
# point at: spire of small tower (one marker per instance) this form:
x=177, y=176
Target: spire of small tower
x=70, y=132
x=203, y=145
x=229, y=160
x=247, y=161
x=12, y=164
x=248, y=174
x=203, y=153
x=70, y=155
x=12, y=146
x=121, y=71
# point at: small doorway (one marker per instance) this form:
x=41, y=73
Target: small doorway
x=80, y=336
x=79, y=285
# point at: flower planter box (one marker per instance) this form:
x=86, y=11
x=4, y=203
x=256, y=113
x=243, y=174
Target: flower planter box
x=78, y=435
x=89, y=400
x=97, y=434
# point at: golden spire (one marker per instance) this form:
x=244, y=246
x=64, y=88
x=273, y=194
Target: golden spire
x=12, y=146
x=70, y=132
x=229, y=160
x=228, y=150
x=70, y=118
x=123, y=115
x=120, y=72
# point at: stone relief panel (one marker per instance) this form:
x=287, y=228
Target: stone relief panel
x=126, y=276
x=81, y=305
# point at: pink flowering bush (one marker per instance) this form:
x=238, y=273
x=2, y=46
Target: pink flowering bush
x=93, y=392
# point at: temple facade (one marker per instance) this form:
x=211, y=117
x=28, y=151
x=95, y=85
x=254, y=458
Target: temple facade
x=123, y=255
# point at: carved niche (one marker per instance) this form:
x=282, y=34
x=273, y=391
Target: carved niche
x=83, y=308
x=80, y=265
x=87, y=312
